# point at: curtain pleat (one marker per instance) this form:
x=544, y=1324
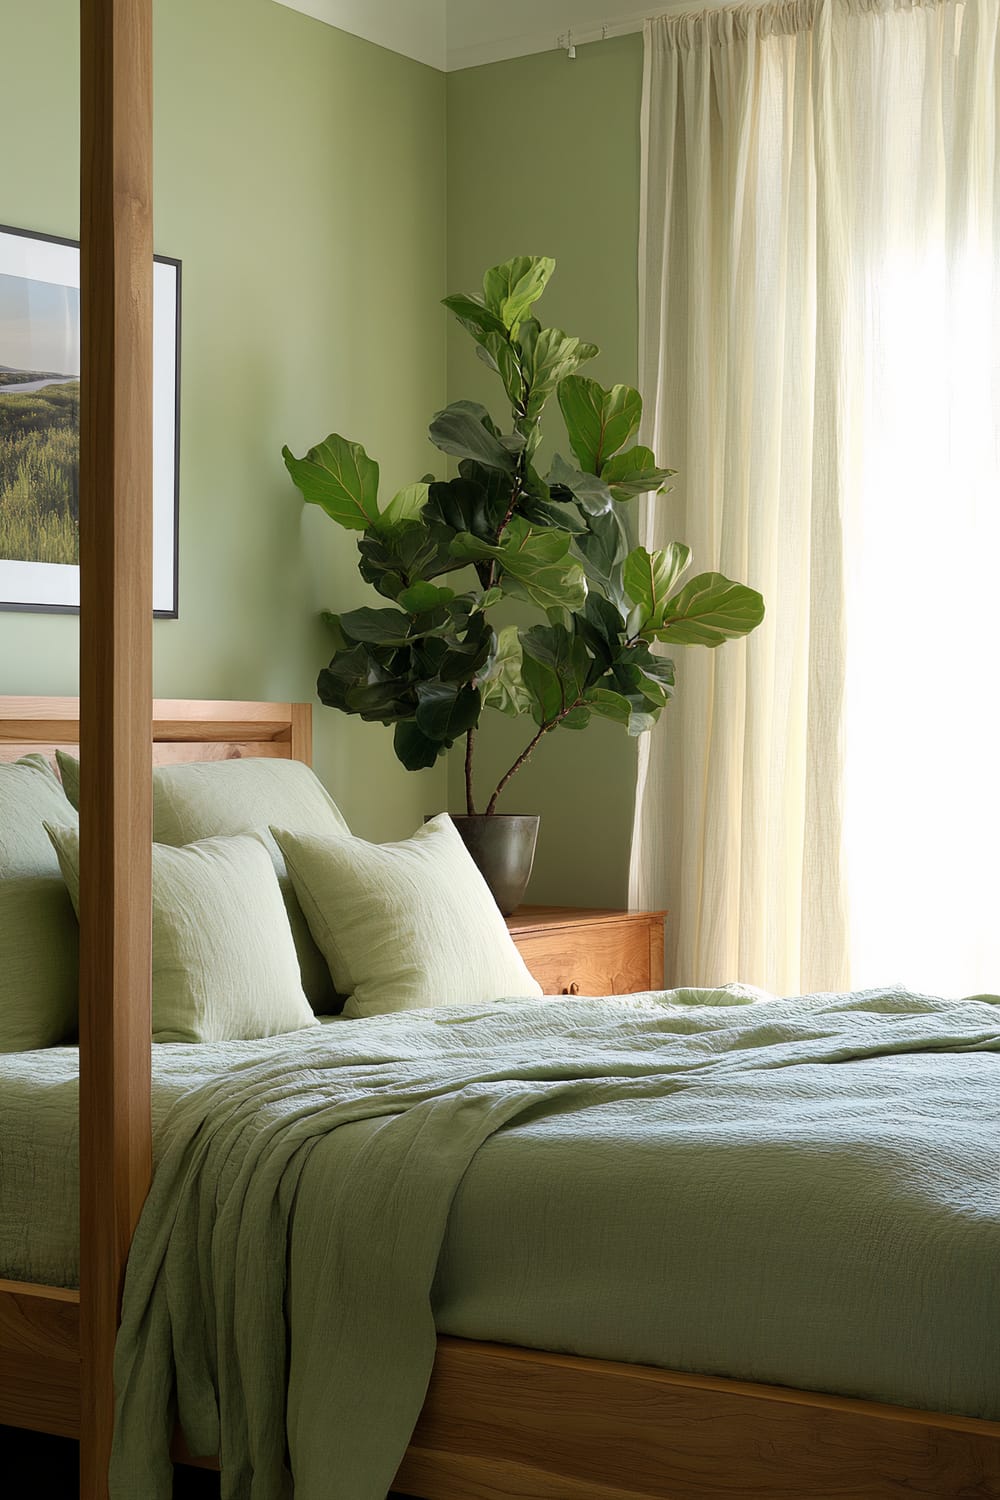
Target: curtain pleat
x=801, y=162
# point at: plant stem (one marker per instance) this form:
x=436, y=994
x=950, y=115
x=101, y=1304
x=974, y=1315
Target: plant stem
x=516, y=490
x=520, y=415
x=470, y=740
x=491, y=806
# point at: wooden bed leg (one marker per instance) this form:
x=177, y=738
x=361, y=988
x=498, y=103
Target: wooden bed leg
x=116, y=430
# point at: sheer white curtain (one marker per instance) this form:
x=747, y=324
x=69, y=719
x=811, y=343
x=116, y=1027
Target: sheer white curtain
x=820, y=285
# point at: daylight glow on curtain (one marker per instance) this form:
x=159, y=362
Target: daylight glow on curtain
x=922, y=751
x=820, y=275
x=921, y=321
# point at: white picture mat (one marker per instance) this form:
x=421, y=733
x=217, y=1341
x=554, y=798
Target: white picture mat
x=57, y=585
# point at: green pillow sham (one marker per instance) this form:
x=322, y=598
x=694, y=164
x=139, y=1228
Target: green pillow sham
x=38, y=934
x=224, y=964
x=404, y=925
x=209, y=799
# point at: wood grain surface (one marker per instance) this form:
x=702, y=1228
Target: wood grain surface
x=502, y=1422
x=116, y=612
x=576, y=952
x=40, y=1358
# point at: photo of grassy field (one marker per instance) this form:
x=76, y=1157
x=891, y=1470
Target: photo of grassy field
x=40, y=365
x=39, y=420
x=39, y=469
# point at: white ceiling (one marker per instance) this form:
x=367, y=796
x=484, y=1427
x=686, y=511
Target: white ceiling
x=450, y=34
x=414, y=27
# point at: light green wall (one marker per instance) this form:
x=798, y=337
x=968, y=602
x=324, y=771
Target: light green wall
x=300, y=177
x=544, y=160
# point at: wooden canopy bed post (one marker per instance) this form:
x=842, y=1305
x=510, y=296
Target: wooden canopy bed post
x=116, y=613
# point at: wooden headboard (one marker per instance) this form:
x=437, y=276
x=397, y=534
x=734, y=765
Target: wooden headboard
x=182, y=729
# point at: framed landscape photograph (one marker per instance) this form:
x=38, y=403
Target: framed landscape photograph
x=40, y=424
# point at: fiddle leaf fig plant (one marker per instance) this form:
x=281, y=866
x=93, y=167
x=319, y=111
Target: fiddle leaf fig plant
x=448, y=553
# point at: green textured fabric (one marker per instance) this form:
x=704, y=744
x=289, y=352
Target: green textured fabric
x=224, y=964
x=38, y=935
x=207, y=799
x=798, y=1191
x=406, y=925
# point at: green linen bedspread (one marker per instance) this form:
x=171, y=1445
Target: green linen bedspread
x=802, y=1191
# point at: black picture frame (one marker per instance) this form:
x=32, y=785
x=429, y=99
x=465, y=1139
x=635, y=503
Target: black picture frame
x=166, y=499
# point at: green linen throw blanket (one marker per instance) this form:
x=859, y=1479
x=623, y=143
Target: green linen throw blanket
x=320, y=1372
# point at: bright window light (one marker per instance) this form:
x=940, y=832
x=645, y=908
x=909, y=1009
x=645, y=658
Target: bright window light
x=922, y=750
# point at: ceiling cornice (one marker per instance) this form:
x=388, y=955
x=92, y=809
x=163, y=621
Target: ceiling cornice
x=415, y=28
x=540, y=39
x=452, y=34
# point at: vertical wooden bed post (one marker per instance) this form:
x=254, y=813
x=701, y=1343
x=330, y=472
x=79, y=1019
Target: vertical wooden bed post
x=116, y=439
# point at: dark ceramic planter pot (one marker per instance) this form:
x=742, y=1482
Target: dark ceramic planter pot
x=503, y=846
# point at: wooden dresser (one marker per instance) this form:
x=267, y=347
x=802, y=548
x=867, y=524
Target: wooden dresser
x=574, y=950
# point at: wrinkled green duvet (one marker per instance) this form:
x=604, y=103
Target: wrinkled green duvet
x=796, y=1191
x=270, y=1202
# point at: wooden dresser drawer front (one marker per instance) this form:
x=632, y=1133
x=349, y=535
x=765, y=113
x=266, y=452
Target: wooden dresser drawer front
x=612, y=958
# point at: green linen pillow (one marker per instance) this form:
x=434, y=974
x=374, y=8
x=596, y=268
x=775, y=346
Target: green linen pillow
x=224, y=965
x=404, y=925
x=38, y=936
x=209, y=799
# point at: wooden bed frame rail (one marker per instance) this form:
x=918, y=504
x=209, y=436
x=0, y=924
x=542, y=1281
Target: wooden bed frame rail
x=504, y=1422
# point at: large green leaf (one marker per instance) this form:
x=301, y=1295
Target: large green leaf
x=709, y=610
x=348, y=670
x=535, y=565
x=497, y=486
x=603, y=551
x=649, y=577
x=554, y=669
x=500, y=355
x=634, y=472
x=446, y=709
x=546, y=513
x=588, y=490
x=548, y=356
x=393, y=557
x=389, y=628
x=647, y=681
x=598, y=421
x=470, y=654
x=601, y=625
x=407, y=505
x=631, y=708
x=387, y=701
x=414, y=749
x=657, y=672
x=421, y=597
x=510, y=290
x=468, y=505
x=504, y=688
x=466, y=430
x=610, y=705
x=474, y=315
x=383, y=627
x=492, y=340
x=340, y=477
